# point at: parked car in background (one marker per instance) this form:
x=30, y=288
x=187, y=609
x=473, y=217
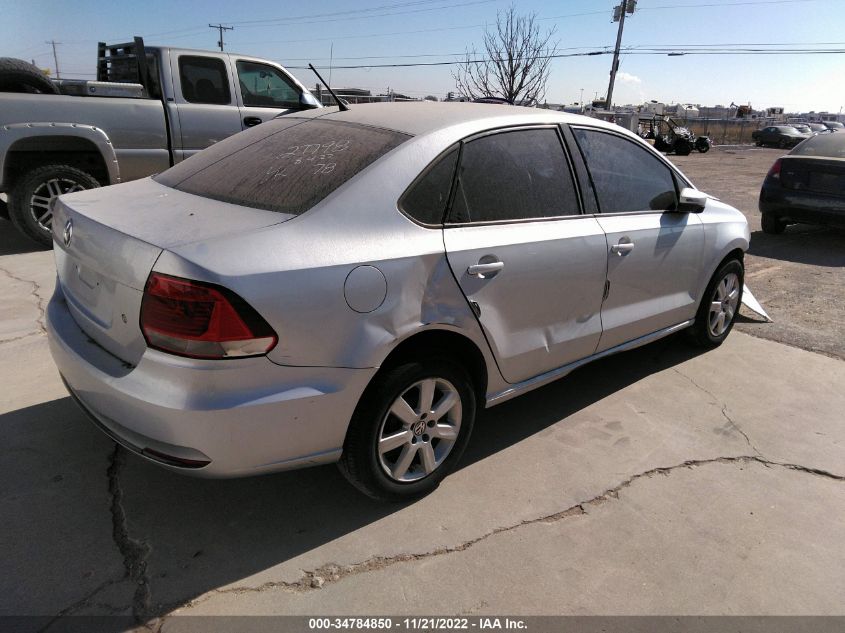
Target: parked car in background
x=807, y=185
x=804, y=128
x=352, y=286
x=815, y=128
x=782, y=136
x=150, y=108
x=833, y=125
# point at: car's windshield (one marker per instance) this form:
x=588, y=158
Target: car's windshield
x=286, y=165
x=832, y=145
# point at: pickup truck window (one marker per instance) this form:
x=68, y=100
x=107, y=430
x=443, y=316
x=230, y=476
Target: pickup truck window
x=264, y=86
x=286, y=165
x=204, y=80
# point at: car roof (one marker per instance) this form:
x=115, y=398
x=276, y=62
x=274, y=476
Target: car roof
x=424, y=117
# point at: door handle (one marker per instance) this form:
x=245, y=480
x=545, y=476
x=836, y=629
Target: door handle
x=622, y=249
x=251, y=121
x=486, y=270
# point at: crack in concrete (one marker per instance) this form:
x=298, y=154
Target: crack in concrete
x=732, y=424
x=79, y=604
x=330, y=573
x=135, y=552
x=42, y=329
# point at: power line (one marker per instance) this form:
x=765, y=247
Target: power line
x=723, y=4
x=269, y=21
x=374, y=15
x=607, y=52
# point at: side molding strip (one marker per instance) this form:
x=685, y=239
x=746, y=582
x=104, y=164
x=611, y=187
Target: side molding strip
x=543, y=379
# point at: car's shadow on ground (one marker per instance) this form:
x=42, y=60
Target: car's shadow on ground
x=802, y=244
x=13, y=242
x=206, y=534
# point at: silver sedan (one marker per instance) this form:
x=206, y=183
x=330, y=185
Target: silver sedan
x=353, y=286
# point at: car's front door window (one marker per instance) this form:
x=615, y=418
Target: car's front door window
x=626, y=177
x=263, y=86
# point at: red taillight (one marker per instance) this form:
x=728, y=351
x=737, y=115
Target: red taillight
x=774, y=172
x=201, y=320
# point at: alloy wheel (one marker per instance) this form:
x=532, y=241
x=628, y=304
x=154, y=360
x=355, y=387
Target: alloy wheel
x=419, y=430
x=723, y=304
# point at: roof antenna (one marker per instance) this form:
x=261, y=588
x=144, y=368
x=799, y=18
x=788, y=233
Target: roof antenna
x=340, y=104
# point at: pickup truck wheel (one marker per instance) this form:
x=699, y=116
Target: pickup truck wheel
x=409, y=429
x=16, y=75
x=29, y=201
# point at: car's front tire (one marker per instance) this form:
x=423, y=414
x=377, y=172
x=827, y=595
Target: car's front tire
x=719, y=306
x=409, y=429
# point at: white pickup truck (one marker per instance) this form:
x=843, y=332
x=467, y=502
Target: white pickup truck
x=144, y=113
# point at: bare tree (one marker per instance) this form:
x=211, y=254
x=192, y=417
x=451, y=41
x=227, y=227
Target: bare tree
x=515, y=63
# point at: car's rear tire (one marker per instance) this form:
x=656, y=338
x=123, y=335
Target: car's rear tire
x=772, y=224
x=719, y=306
x=30, y=198
x=758, y=143
x=783, y=143
x=16, y=75
x=410, y=429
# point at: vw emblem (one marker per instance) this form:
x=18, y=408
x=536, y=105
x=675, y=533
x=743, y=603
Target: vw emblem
x=418, y=428
x=68, y=233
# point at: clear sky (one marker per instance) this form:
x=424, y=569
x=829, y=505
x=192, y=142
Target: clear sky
x=413, y=31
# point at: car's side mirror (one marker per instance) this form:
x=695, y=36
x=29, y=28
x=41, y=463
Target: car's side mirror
x=691, y=201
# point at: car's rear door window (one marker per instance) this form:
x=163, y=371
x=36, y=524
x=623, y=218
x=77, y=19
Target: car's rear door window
x=625, y=176
x=204, y=80
x=286, y=165
x=514, y=175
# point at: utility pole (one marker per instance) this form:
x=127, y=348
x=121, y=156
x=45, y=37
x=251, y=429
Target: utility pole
x=625, y=6
x=55, y=57
x=220, y=29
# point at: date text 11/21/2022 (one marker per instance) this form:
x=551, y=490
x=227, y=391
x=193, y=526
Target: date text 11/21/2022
x=417, y=623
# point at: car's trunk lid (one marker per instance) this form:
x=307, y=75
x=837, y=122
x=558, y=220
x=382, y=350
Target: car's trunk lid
x=108, y=240
x=816, y=174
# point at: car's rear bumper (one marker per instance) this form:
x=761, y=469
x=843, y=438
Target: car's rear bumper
x=803, y=206
x=225, y=418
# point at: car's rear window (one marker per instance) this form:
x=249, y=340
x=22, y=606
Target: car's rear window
x=286, y=165
x=831, y=144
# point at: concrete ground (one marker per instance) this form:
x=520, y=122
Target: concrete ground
x=660, y=481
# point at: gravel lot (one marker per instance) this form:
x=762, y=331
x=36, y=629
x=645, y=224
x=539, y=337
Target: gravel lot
x=799, y=276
